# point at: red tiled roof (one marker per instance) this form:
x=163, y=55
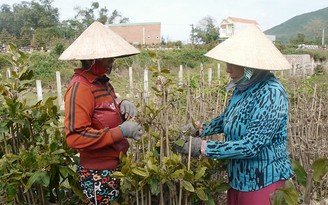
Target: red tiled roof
x=240, y=20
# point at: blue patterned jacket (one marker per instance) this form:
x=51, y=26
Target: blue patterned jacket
x=255, y=127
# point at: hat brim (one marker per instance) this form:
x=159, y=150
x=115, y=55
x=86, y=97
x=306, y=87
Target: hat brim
x=250, y=48
x=96, y=42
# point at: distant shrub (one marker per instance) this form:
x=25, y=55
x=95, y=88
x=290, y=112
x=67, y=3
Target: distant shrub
x=45, y=66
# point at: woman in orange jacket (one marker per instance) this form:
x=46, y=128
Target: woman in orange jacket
x=95, y=122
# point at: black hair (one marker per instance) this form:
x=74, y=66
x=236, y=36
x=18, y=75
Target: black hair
x=85, y=64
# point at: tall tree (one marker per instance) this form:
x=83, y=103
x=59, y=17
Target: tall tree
x=116, y=17
x=26, y=17
x=206, y=31
x=7, y=19
x=86, y=16
x=5, y=36
x=299, y=39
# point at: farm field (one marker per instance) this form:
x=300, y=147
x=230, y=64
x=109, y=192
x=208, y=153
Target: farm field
x=38, y=166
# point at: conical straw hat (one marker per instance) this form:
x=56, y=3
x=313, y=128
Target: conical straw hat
x=98, y=41
x=250, y=48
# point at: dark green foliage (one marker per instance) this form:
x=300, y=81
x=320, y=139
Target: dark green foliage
x=36, y=23
x=45, y=66
x=58, y=49
x=35, y=160
x=187, y=57
x=207, y=32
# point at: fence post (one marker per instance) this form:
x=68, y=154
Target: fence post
x=312, y=66
x=8, y=73
x=59, y=91
x=180, y=76
x=219, y=71
x=209, y=76
x=39, y=90
x=146, y=85
x=131, y=81
x=159, y=66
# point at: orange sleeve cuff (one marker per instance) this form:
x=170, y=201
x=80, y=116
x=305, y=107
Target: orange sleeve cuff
x=116, y=134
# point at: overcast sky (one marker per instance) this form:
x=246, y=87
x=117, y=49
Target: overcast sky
x=176, y=16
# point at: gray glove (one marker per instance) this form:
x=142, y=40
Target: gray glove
x=128, y=108
x=189, y=129
x=131, y=130
x=196, y=144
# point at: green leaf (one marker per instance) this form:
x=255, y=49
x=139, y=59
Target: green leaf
x=4, y=128
x=300, y=173
x=178, y=174
x=59, y=151
x=11, y=190
x=320, y=168
x=38, y=177
x=290, y=194
x=189, y=175
x=188, y=186
x=153, y=167
x=201, y=194
x=140, y=172
x=200, y=171
x=210, y=200
x=277, y=198
x=222, y=187
x=180, y=142
x=154, y=186
x=118, y=174
x=66, y=171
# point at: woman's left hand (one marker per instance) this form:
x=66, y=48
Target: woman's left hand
x=128, y=109
x=195, y=149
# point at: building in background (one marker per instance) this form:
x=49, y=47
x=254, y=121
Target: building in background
x=139, y=33
x=230, y=25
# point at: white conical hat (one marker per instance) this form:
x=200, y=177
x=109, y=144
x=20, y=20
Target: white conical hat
x=98, y=41
x=250, y=48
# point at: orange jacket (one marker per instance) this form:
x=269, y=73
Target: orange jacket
x=92, y=117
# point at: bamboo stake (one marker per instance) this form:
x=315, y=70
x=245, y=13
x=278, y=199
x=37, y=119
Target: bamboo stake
x=59, y=91
x=142, y=197
x=167, y=140
x=188, y=106
x=188, y=165
x=180, y=193
x=39, y=89
x=137, y=196
x=218, y=98
x=131, y=81
x=161, y=161
x=202, y=109
x=313, y=97
x=149, y=197
x=318, y=124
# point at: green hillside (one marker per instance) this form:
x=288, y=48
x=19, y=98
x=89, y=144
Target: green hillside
x=309, y=24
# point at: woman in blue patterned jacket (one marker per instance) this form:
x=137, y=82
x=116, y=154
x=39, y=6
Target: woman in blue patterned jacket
x=254, y=122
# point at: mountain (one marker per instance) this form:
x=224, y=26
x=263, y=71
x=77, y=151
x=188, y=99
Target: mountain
x=310, y=24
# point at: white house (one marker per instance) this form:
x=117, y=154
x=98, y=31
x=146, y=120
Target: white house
x=230, y=25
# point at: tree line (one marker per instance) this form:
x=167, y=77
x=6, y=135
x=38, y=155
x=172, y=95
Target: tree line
x=37, y=24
